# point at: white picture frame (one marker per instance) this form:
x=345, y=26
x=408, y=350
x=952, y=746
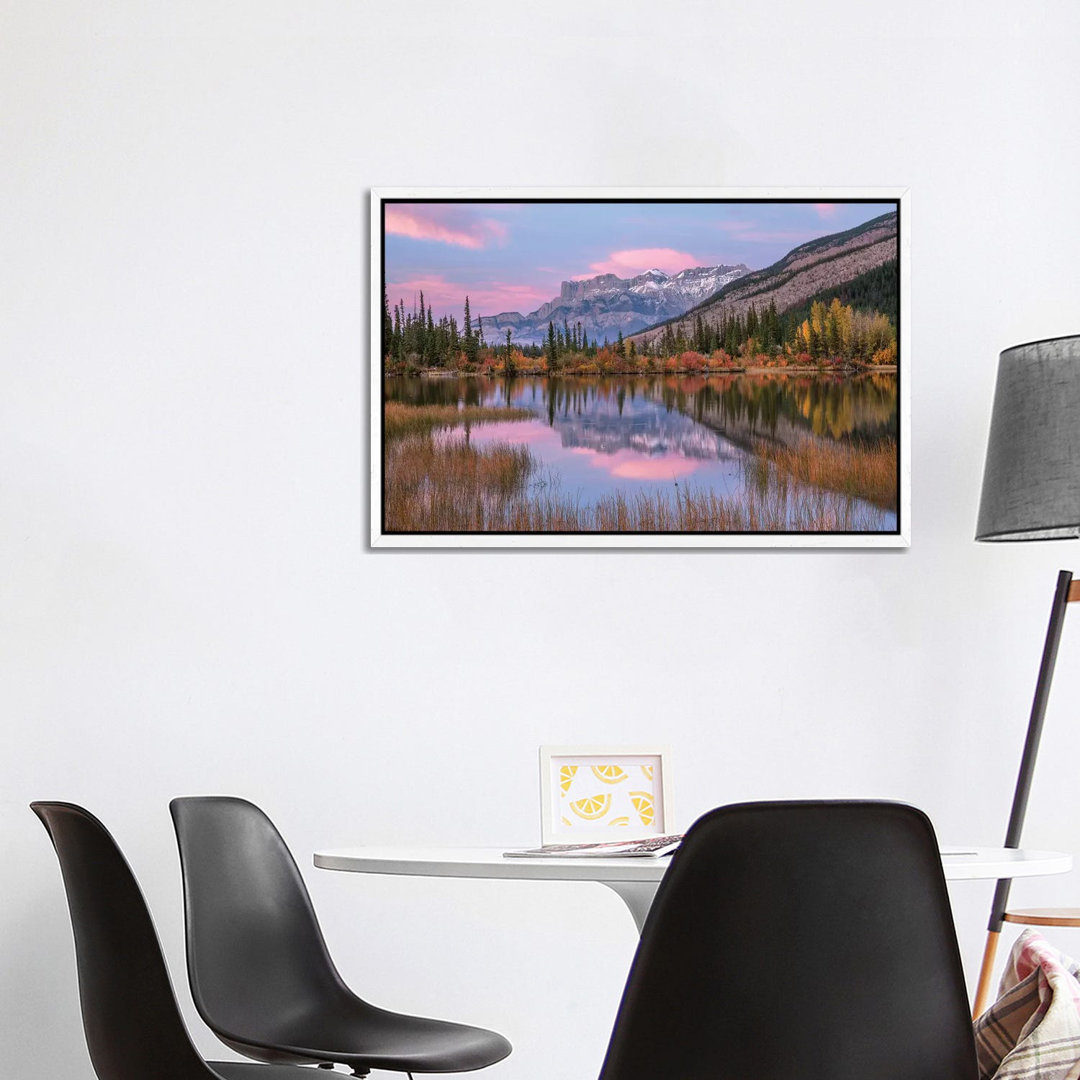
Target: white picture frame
x=586, y=792
x=382, y=537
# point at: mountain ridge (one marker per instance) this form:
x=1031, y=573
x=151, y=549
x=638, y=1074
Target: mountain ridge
x=607, y=304
x=824, y=263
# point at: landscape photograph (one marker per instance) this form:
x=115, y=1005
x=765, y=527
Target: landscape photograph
x=712, y=369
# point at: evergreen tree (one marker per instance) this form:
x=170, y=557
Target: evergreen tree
x=421, y=331
x=552, y=348
x=436, y=351
x=751, y=323
x=472, y=346
x=669, y=341
x=399, y=345
x=509, y=366
x=387, y=325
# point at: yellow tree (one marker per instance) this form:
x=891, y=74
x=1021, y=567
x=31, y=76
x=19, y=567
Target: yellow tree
x=802, y=337
x=840, y=325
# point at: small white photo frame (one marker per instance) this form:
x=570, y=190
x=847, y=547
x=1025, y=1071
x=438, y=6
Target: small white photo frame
x=595, y=793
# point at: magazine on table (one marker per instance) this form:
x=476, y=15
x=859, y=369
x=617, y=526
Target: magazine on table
x=649, y=847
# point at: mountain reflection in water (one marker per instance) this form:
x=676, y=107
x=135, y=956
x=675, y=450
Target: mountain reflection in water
x=595, y=433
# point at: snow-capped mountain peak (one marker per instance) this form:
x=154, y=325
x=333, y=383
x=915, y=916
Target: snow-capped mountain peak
x=607, y=304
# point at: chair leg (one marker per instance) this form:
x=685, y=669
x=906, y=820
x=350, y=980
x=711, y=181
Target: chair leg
x=982, y=992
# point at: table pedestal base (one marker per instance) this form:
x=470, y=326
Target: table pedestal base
x=637, y=896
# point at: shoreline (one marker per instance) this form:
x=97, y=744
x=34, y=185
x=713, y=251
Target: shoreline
x=804, y=369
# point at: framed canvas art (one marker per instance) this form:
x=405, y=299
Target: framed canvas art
x=596, y=793
x=640, y=368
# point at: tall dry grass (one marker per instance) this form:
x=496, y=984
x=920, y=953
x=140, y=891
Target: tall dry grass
x=859, y=471
x=450, y=486
x=447, y=486
x=685, y=509
x=401, y=419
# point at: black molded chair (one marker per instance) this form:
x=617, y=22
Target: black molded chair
x=798, y=941
x=133, y=1026
x=259, y=969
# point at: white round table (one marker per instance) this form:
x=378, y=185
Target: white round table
x=636, y=879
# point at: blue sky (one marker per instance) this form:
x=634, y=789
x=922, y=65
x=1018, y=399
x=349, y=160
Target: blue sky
x=514, y=256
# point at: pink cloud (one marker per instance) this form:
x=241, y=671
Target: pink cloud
x=826, y=210
x=514, y=431
x=639, y=468
x=443, y=224
x=638, y=260
x=485, y=298
x=630, y=465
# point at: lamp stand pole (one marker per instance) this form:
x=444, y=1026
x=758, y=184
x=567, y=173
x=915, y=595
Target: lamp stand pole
x=1065, y=592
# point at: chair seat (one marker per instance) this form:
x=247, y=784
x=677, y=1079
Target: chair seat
x=364, y=1037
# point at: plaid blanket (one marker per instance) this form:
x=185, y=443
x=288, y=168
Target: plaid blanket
x=1032, y=1031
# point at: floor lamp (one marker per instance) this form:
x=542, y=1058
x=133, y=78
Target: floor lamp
x=1031, y=491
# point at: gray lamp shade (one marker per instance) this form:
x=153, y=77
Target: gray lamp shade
x=1031, y=483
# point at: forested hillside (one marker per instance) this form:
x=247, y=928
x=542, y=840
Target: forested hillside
x=841, y=265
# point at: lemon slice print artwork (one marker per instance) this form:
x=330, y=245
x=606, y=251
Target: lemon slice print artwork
x=609, y=774
x=566, y=777
x=592, y=808
x=643, y=804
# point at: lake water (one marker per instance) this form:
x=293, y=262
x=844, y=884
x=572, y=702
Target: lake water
x=597, y=434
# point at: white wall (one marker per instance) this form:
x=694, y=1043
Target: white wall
x=186, y=603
